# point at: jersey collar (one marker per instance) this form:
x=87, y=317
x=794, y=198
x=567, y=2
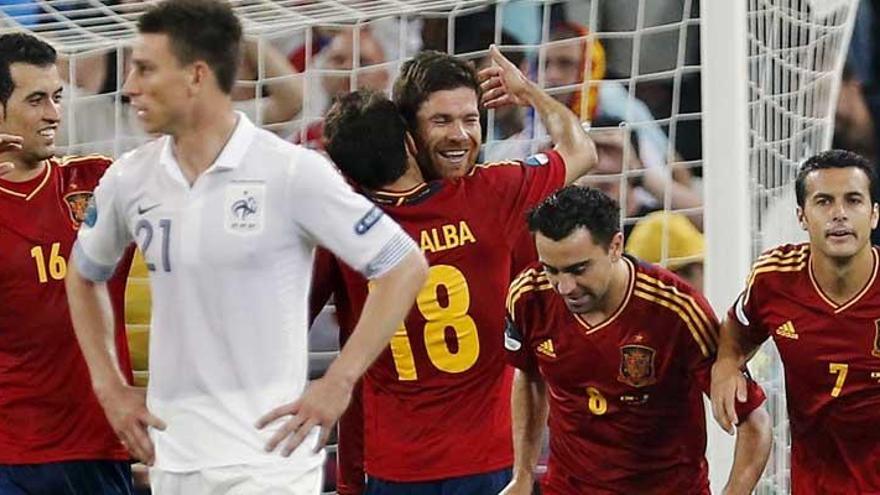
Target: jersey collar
x=229, y=159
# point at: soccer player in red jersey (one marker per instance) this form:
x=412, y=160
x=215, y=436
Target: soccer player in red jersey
x=820, y=302
x=54, y=438
x=622, y=350
x=444, y=382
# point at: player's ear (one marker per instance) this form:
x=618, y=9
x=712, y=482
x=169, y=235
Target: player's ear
x=411, y=149
x=875, y=215
x=199, y=75
x=615, y=247
x=802, y=219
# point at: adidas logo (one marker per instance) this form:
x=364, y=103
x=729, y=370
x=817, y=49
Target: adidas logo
x=787, y=330
x=546, y=348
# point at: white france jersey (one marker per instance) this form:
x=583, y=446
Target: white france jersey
x=230, y=263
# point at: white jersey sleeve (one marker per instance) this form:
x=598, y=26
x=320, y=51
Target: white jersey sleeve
x=103, y=236
x=346, y=223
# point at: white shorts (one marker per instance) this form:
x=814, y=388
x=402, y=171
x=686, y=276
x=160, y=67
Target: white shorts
x=271, y=479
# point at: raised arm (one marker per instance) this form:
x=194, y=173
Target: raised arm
x=529, y=409
x=285, y=89
x=504, y=84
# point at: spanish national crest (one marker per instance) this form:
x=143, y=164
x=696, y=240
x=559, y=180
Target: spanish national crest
x=77, y=204
x=245, y=206
x=637, y=365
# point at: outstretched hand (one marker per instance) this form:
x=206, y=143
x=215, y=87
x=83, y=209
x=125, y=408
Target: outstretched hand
x=503, y=83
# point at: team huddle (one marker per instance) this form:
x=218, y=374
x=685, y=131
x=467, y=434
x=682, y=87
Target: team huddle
x=479, y=304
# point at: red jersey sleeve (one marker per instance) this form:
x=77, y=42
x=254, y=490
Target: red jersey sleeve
x=517, y=324
x=700, y=357
x=745, y=308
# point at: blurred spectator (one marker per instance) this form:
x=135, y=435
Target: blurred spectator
x=617, y=173
x=853, y=124
x=685, y=246
x=281, y=98
x=102, y=121
x=338, y=55
x=573, y=55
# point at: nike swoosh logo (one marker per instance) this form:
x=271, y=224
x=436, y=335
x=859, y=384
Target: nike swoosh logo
x=142, y=210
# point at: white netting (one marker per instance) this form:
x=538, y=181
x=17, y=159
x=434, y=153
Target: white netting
x=796, y=51
x=629, y=50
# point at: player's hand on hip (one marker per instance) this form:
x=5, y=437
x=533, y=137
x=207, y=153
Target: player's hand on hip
x=728, y=387
x=321, y=405
x=503, y=83
x=518, y=487
x=126, y=410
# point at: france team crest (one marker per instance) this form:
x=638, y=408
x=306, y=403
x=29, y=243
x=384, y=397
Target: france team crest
x=245, y=207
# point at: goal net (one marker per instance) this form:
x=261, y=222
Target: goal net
x=701, y=110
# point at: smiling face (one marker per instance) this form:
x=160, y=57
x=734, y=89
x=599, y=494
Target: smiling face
x=838, y=212
x=579, y=269
x=448, y=133
x=33, y=111
x=157, y=84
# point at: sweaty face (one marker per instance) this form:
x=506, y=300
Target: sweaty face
x=33, y=110
x=837, y=212
x=448, y=135
x=157, y=84
x=578, y=268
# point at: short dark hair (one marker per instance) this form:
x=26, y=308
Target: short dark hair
x=573, y=207
x=199, y=30
x=21, y=48
x=365, y=136
x=426, y=73
x=833, y=159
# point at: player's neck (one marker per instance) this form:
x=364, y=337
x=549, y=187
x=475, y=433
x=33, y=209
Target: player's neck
x=198, y=145
x=841, y=280
x=618, y=286
x=23, y=171
x=410, y=179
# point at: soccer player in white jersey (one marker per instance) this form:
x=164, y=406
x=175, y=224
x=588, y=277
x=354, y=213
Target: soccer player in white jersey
x=227, y=217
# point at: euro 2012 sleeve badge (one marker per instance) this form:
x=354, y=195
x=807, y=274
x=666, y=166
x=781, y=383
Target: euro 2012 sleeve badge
x=245, y=207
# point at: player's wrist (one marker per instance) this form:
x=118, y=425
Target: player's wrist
x=107, y=390
x=339, y=376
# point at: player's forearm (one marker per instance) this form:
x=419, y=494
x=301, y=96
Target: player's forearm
x=734, y=346
x=566, y=132
x=389, y=301
x=753, y=441
x=529, y=411
x=92, y=316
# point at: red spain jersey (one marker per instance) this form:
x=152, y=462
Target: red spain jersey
x=831, y=356
x=437, y=402
x=48, y=411
x=626, y=395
